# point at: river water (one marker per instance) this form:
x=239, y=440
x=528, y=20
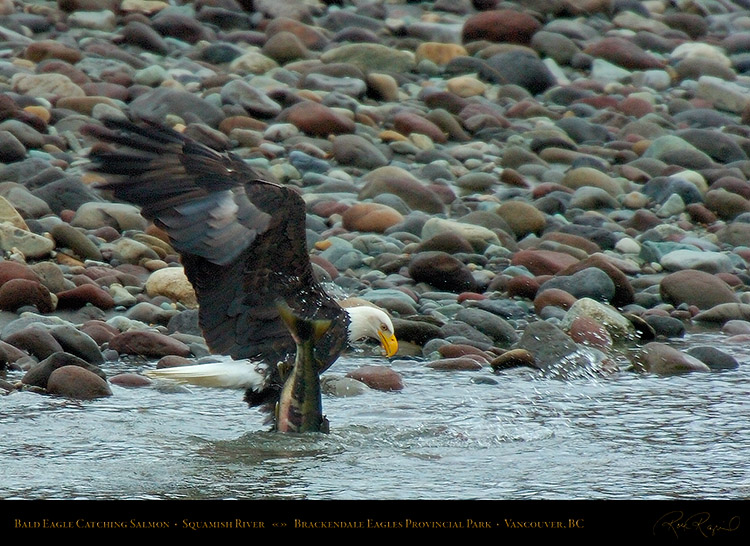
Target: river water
x=448, y=435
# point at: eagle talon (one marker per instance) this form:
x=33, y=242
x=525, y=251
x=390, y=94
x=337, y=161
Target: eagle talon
x=284, y=369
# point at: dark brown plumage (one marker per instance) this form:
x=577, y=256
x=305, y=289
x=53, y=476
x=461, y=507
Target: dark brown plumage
x=242, y=241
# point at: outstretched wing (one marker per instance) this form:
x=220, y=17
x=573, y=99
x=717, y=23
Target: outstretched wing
x=241, y=239
x=193, y=192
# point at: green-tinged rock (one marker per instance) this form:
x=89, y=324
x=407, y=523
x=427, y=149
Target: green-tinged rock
x=618, y=326
x=371, y=57
x=30, y=244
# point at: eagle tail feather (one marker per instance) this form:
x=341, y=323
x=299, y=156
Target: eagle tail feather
x=226, y=375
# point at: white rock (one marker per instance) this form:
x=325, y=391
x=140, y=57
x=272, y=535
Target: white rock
x=628, y=245
x=689, y=50
x=723, y=94
x=97, y=214
x=31, y=245
x=604, y=71
x=171, y=282
x=672, y=206
x=104, y=20
x=252, y=62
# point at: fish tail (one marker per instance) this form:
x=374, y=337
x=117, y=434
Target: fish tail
x=303, y=330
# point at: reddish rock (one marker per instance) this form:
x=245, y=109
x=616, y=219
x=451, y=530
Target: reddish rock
x=464, y=296
x=460, y=350
x=142, y=35
x=317, y=119
x=545, y=188
x=11, y=353
x=555, y=297
x=408, y=123
x=81, y=295
x=636, y=107
x=633, y=174
x=370, y=217
x=14, y=270
x=87, y=5
x=178, y=25
x=731, y=279
x=624, y=53
x=735, y=327
x=58, y=66
x=543, y=262
x=570, y=239
x=513, y=358
x=106, y=89
x=447, y=242
x=39, y=374
x=522, y=287
x=504, y=25
x=41, y=50
x=99, y=331
x=444, y=100
x=324, y=264
x=108, y=233
x=477, y=110
x=693, y=287
x=17, y=293
x=284, y=47
x=378, y=377
x=130, y=380
x=585, y=7
x=662, y=359
x=734, y=185
x=513, y=178
x=308, y=35
x=523, y=218
x=77, y=383
x=725, y=204
x=148, y=343
x=390, y=179
x=173, y=361
x=587, y=331
x=35, y=340
x=643, y=220
x=599, y=102
x=326, y=209
x=231, y=123
x=457, y=363
x=441, y=270
x=444, y=193
x=82, y=105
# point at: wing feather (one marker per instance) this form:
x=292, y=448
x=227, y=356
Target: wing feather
x=242, y=239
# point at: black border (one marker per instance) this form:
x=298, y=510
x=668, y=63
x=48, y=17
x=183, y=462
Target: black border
x=663, y=521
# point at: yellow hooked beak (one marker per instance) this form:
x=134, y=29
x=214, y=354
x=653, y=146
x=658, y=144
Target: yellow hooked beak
x=389, y=343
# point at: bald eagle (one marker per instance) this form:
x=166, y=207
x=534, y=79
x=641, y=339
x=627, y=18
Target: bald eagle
x=242, y=243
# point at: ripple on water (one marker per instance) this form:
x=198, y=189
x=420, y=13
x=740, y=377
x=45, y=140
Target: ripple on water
x=445, y=436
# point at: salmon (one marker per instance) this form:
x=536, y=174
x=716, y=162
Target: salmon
x=300, y=405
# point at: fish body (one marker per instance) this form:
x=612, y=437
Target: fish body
x=300, y=405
